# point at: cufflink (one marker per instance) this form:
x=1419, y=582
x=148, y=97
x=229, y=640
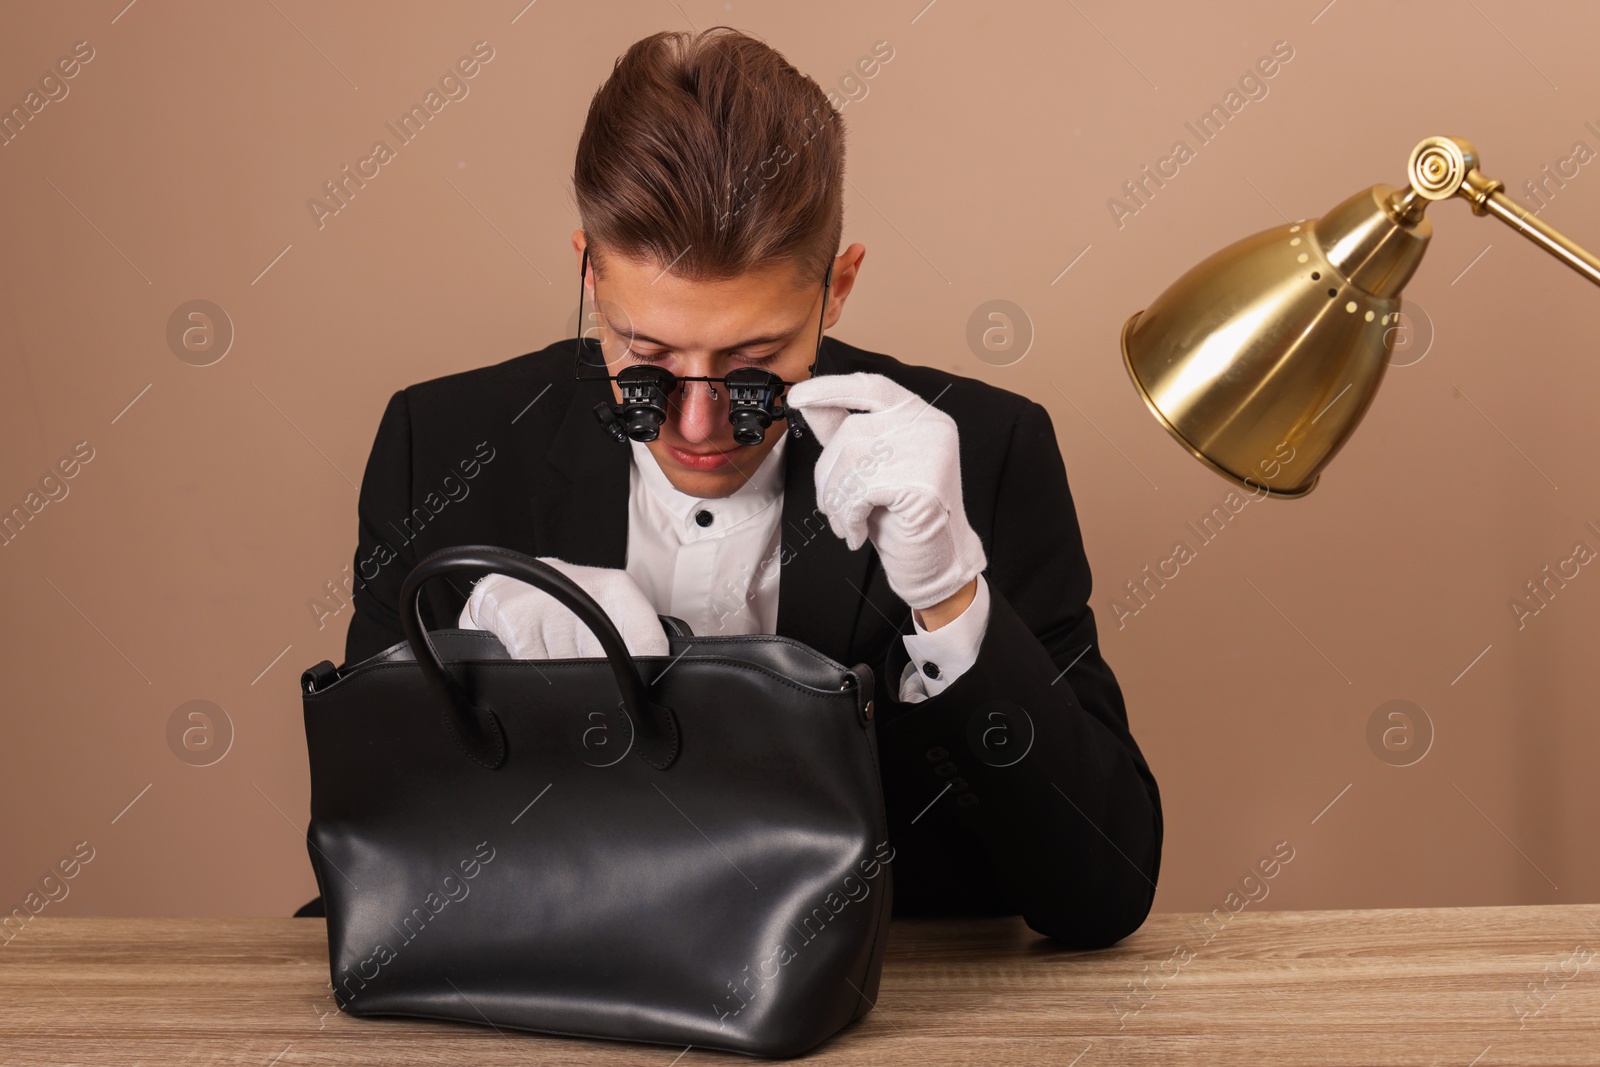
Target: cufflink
x=931, y=669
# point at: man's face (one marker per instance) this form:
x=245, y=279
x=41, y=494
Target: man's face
x=765, y=318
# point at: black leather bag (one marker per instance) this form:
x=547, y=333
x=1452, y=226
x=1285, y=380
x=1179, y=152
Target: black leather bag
x=501, y=841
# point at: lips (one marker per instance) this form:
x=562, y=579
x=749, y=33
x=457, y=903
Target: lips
x=699, y=461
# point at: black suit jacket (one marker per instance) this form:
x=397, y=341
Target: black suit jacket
x=1069, y=836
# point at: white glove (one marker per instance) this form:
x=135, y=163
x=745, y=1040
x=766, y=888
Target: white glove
x=891, y=473
x=532, y=624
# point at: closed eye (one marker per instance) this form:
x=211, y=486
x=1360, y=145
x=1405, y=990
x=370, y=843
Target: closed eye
x=657, y=357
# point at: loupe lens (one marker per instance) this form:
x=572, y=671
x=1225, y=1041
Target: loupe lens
x=749, y=427
x=752, y=400
x=644, y=400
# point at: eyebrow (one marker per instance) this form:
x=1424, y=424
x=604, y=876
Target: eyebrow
x=753, y=342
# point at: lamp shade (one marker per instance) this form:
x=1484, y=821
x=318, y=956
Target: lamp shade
x=1263, y=358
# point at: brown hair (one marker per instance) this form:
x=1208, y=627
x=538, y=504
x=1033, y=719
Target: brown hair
x=711, y=153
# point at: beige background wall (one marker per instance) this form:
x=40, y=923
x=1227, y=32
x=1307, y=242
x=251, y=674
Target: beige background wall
x=220, y=499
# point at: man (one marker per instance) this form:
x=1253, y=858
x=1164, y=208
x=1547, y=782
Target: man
x=922, y=524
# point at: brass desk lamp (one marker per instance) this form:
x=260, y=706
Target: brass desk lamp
x=1262, y=359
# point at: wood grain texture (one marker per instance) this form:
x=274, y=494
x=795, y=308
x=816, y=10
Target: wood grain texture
x=1479, y=986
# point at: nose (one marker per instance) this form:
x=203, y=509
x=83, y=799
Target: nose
x=699, y=417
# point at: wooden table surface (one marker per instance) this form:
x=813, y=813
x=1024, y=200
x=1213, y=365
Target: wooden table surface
x=1463, y=986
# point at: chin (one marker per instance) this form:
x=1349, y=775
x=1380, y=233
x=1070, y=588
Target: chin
x=703, y=484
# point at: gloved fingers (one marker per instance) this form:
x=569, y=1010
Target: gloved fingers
x=532, y=624
x=893, y=444
x=850, y=512
x=520, y=641
x=861, y=450
x=482, y=602
x=883, y=460
x=862, y=457
x=825, y=400
x=913, y=512
x=850, y=523
x=860, y=389
x=642, y=633
x=468, y=619
x=584, y=644
x=929, y=561
x=621, y=598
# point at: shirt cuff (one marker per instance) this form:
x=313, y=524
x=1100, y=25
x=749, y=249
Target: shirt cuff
x=939, y=657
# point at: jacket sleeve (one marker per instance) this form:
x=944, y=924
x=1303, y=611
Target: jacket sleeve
x=383, y=556
x=1028, y=751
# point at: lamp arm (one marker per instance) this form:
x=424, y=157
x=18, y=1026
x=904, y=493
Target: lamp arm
x=1540, y=233
x=1442, y=167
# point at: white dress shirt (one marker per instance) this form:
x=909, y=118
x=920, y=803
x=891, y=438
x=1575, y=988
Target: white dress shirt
x=713, y=562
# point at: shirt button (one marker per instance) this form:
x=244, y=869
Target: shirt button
x=936, y=754
x=931, y=669
x=703, y=517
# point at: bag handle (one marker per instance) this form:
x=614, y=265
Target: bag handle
x=474, y=725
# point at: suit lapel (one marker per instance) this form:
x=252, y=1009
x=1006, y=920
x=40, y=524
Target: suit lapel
x=822, y=584
x=581, y=515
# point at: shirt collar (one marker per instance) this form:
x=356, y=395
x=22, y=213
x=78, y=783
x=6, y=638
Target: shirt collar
x=761, y=491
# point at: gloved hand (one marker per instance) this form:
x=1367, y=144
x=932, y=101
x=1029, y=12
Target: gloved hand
x=891, y=473
x=532, y=624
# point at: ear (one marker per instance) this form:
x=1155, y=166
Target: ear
x=845, y=269
x=580, y=241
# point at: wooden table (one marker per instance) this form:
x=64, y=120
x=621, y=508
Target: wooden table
x=1464, y=986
